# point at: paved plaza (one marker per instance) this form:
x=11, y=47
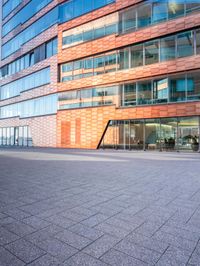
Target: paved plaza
x=98, y=208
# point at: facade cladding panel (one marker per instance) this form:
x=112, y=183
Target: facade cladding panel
x=101, y=74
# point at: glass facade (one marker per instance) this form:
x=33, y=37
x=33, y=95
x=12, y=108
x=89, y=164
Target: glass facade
x=31, y=81
x=9, y=6
x=40, y=53
x=183, y=87
x=165, y=134
x=29, y=33
x=76, y=8
x=153, y=12
x=90, y=31
x=45, y=105
x=88, y=97
x=163, y=49
x=24, y=14
x=16, y=136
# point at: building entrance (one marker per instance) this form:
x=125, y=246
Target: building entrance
x=166, y=134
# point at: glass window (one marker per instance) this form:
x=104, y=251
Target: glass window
x=185, y=44
x=110, y=63
x=98, y=62
x=128, y=95
x=151, y=52
x=167, y=48
x=144, y=16
x=175, y=8
x=67, y=40
x=88, y=35
x=110, y=29
x=78, y=8
x=99, y=32
x=159, y=12
x=128, y=20
x=137, y=55
x=78, y=38
x=192, y=5
x=160, y=90
x=124, y=59
x=144, y=95
x=198, y=41
x=193, y=86
x=177, y=86
x=87, y=6
x=67, y=67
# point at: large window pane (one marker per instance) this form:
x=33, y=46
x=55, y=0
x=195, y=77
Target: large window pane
x=192, y=5
x=193, y=86
x=151, y=52
x=137, y=55
x=160, y=90
x=198, y=41
x=128, y=95
x=128, y=20
x=144, y=94
x=167, y=48
x=159, y=12
x=185, y=44
x=188, y=133
x=177, y=88
x=124, y=58
x=176, y=8
x=144, y=15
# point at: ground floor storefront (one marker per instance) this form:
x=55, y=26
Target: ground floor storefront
x=174, y=133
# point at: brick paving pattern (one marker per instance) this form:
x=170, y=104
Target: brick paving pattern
x=98, y=208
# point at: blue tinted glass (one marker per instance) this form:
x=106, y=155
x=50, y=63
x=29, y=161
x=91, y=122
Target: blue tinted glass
x=159, y=12
x=110, y=29
x=98, y=3
x=78, y=8
x=87, y=6
x=24, y=14
x=88, y=35
x=9, y=6
x=35, y=29
x=66, y=12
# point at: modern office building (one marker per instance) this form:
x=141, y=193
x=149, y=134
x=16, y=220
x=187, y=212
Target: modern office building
x=121, y=74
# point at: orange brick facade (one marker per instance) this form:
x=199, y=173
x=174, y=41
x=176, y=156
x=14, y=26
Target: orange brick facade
x=93, y=121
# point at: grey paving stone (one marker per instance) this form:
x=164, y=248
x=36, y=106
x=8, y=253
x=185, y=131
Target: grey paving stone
x=174, y=256
x=112, y=230
x=43, y=234
x=36, y=222
x=60, y=221
x=101, y=245
x=25, y=250
x=86, y=231
x=17, y=214
x=193, y=236
x=176, y=241
x=73, y=239
x=19, y=228
x=46, y=260
x=95, y=219
x=2, y=215
x=7, y=220
x=147, y=242
x=152, y=196
x=6, y=236
x=138, y=252
x=8, y=259
x=58, y=249
x=82, y=259
x=116, y=258
x=74, y=216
